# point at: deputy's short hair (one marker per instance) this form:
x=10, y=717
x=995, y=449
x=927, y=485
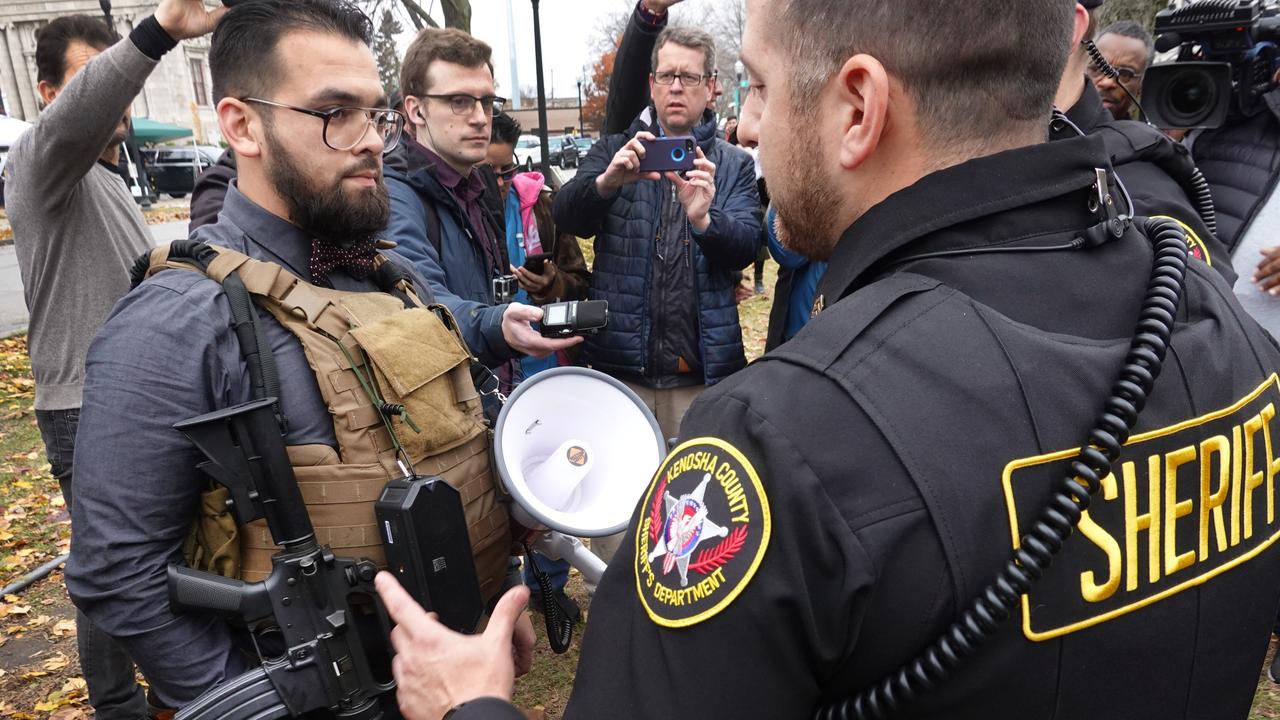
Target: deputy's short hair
x=690, y=38
x=973, y=68
x=242, y=54
x=449, y=45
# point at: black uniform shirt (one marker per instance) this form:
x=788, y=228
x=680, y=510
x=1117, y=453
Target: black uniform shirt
x=1146, y=160
x=800, y=544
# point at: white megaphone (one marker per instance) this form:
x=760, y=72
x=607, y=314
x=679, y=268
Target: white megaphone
x=575, y=449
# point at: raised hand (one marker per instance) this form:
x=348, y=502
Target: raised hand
x=184, y=19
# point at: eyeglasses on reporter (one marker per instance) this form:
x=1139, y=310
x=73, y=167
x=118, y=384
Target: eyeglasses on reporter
x=463, y=104
x=344, y=127
x=1126, y=74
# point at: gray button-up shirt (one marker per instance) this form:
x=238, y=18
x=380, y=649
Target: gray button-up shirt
x=167, y=353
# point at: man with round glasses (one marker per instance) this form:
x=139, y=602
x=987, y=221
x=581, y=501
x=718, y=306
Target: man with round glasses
x=439, y=218
x=301, y=104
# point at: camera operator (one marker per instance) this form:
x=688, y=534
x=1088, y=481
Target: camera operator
x=438, y=217
x=1155, y=170
x=1128, y=49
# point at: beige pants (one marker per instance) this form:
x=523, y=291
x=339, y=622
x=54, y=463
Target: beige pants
x=669, y=407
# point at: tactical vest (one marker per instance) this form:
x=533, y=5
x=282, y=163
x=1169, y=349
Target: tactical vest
x=361, y=344
x=985, y=449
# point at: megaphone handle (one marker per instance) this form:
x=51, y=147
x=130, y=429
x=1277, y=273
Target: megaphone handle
x=560, y=546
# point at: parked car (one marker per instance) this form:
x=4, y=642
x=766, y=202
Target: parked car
x=529, y=152
x=564, y=151
x=174, y=170
x=584, y=144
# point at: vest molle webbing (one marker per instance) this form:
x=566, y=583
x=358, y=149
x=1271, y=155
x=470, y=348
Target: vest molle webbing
x=357, y=343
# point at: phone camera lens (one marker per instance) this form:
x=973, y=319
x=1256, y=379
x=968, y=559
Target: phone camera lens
x=677, y=154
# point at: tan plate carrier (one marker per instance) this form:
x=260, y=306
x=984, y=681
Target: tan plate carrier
x=414, y=359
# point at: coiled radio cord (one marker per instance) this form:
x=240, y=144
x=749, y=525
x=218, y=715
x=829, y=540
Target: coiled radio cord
x=1055, y=523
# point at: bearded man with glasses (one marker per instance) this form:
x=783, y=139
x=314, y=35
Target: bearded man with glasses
x=439, y=219
x=301, y=104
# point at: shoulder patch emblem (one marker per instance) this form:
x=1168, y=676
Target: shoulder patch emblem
x=703, y=533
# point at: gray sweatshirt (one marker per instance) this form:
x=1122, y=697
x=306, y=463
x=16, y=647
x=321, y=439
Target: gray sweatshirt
x=76, y=227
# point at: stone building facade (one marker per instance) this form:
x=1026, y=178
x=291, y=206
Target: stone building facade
x=179, y=92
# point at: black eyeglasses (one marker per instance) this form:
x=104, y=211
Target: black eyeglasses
x=462, y=104
x=666, y=77
x=345, y=127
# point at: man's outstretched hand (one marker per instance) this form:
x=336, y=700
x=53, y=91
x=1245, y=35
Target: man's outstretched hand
x=437, y=668
x=517, y=330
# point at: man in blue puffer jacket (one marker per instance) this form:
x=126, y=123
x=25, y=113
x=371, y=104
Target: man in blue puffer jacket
x=666, y=246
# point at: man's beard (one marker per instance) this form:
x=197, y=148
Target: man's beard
x=329, y=214
x=805, y=201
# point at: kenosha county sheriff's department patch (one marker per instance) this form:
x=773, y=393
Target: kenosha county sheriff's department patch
x=703, y=533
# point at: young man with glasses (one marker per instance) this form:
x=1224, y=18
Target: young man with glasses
x=300, y=102
x=438, y=213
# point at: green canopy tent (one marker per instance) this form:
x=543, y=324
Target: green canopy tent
x=150, y=131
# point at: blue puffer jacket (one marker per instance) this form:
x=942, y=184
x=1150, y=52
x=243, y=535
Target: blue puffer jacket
x=625, y=226
x=457, y=272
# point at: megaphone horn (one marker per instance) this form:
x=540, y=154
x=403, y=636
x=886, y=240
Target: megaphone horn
x=575, y=449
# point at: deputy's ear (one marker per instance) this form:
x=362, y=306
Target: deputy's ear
x=241, y=127
x=1081, y=25
x=862, y=103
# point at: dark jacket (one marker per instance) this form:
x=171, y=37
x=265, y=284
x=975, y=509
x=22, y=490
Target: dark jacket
x=625, y=226
x=1155, y=170
x=1242, y=163
x=904, y=439
x=210, y=190
x=456, y=269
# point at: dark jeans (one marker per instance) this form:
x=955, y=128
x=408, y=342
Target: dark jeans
x=107, y=667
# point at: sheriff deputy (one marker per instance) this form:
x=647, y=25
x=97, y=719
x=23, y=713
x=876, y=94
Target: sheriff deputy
x=834, y=507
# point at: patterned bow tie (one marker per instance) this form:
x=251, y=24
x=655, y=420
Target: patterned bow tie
x=356, y=260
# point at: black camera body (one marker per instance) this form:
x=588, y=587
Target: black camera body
x=1227, y=58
